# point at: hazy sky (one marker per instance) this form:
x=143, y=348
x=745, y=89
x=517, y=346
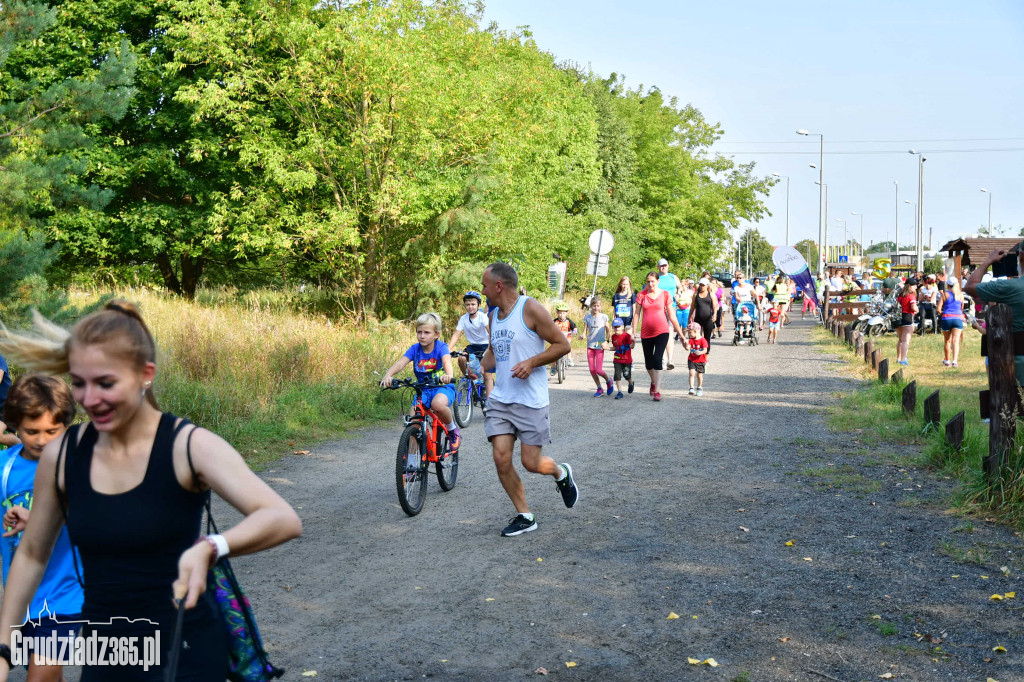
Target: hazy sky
x=872, y=76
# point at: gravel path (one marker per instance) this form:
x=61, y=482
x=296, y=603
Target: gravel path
x=686, y=507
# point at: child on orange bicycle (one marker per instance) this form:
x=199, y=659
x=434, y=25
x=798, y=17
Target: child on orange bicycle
x=431, y=358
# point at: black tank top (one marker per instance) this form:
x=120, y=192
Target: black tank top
x=703, y=308
x=130, y=542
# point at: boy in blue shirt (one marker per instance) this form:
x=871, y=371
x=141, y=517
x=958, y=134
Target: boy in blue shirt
x=430, y=357
x=39, y=408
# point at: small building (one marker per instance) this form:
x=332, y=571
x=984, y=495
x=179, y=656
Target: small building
x=971, y=251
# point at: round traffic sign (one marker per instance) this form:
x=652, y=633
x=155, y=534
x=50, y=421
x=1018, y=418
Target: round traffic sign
x=601, y=242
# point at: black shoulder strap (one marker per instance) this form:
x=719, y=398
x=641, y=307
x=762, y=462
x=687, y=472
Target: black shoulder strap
x=62, y=495
x=210, y=524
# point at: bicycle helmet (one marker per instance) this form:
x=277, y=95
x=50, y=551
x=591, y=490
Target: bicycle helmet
x=561, y=306
x=473, y=294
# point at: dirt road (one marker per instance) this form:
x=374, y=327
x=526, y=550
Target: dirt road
x=787, y=552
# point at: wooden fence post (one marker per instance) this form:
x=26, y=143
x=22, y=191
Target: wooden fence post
x=858, y=345
x=1002, y=390
x=932, y=410
x=876, y=358
x=869, y=351
x=910, y=397
x=883, y=370
x=825, y=303
x=955, y=431
x=897, y=376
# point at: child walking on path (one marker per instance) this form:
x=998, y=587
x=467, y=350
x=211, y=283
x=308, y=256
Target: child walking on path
x=774, y=322
x=598, y=330
x=697, y=360
x=622, y=342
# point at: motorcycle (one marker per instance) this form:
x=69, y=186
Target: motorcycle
x=887, y=317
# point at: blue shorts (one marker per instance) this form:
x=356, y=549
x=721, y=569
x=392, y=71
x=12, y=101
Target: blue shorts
x=773, y=325
x=63, y=625
x=429, y=393
x=948, y=324
x=682, y=316
x=477, y=349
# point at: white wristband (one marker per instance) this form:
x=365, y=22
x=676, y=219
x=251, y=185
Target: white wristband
x=221, y=544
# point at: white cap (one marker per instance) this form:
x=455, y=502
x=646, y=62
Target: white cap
x=662, y=262
x=703, y=280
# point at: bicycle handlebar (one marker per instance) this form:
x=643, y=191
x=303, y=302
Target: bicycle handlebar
x=396, y=384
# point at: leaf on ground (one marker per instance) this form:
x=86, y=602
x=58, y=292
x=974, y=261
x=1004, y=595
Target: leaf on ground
x=984, y=577
x=790, y=543
x=1010, y=595
x=996, y=597
x=541, y=671
x=692, y=661
x=876, y=617
x=489, y=599
x=300, y=452
x=570, y=664
x=744, y=529
x=784, y=639
x=886, y=676
x=309, y=673
x=672, y=615
x=999, y=649
x=539, y=559
x=712, y=662
x=991, y=680
x=807, y=558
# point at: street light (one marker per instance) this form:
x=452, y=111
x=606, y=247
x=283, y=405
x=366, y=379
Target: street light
x=897, y=249
x=914, y=204
x=824, y=237
x=846, y=237
x=861, y=215
x=822, y=217
x=920, y=206
x=787, y=204
x=989, y=210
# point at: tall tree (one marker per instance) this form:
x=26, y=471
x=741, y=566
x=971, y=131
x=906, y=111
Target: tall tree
x=392, y=140
x=755, y=253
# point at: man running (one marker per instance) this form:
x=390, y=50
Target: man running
x=670, y=283
x=518, y=405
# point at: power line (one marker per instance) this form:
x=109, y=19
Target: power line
x=848, y=153
x=964, y=139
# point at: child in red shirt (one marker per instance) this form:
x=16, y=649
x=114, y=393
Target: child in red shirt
x=623, y=359
x=774, y=321
x=698, y=358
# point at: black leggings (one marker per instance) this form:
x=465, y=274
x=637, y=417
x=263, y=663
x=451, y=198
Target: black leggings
x=654, y=348
x=708, y=327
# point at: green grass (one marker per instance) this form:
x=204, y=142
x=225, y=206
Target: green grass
x=875, y=413
x=885, y=628
x=268, y=380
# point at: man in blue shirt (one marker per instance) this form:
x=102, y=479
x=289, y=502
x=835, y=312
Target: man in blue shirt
x=670, y=283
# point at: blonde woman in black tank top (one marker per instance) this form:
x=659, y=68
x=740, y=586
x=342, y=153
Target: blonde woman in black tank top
x=133, y=505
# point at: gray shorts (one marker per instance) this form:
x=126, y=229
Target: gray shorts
x=531, y=425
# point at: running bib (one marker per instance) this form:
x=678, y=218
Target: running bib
x=622, y=310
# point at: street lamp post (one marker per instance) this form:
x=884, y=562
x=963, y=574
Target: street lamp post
x=989, y=210
x=846, y=238
x=822, y=218
x=914, y=204
x=920, y=207
x=787, y=204
x=897, y=249
x=824, y=242
x=861, y=216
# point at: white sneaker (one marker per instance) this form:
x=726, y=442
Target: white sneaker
x=700, y=392
x=693, y=391
x=571, y=363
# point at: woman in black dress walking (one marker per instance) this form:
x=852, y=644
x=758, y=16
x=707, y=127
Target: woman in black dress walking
x=132, y=501
x=703, y=310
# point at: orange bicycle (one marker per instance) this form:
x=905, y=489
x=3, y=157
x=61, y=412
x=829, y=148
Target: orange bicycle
x=424, y=440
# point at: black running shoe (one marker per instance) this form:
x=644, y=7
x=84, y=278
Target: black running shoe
x=567, y=486
x=518, y=525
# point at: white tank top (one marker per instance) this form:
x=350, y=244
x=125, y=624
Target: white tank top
x=512, y=342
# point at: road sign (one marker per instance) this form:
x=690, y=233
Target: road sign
x=844, y=259
x=601, y=241
x=598, y=262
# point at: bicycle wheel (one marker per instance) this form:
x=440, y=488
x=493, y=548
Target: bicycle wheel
x=463, y=406
x=447, y=468
x=410, y=472
x=560, y=369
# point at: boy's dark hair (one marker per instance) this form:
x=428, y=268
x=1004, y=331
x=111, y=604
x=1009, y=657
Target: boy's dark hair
x=32, y=395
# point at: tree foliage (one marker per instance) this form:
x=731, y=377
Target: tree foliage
x=755, y=253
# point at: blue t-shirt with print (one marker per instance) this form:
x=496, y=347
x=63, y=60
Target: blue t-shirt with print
x=425, y=365
x=59, y=592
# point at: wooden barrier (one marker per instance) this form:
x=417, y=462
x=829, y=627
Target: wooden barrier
x=876, y=357
x=869, y=349
x=1002, y=390
x=858, y=344
x=883, y=370
x=955, y=431
x=910, y=398
x=932, y=410
x=897, y=377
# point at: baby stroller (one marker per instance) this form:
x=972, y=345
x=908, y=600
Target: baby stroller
x=746, y=317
